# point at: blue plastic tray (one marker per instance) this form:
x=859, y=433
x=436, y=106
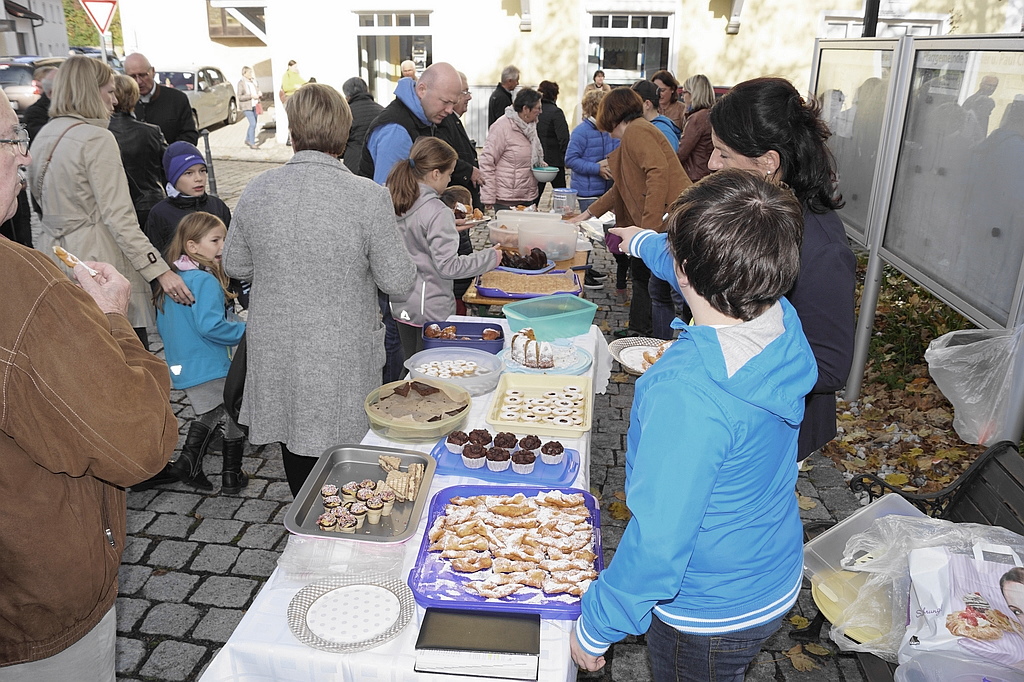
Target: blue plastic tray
x=434, y=583
x=564, y=473
x=501, y=293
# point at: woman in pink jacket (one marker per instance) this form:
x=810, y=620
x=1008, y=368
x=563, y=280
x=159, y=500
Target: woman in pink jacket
x=510, y=154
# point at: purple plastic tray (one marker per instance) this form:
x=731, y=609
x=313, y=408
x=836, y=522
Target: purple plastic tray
x=564, y=473
x=434, y=583
x=500, y=293
x=473, y=330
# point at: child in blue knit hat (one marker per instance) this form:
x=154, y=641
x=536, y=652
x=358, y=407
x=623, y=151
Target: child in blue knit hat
x=185, y=169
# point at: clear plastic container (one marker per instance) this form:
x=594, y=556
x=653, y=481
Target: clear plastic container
x=556, y=239
x=488, y=370
x=552, y=317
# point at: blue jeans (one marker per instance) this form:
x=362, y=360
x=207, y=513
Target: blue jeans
x=666, y=305
x=680, y=657
x=393, y=367
x=250, y=135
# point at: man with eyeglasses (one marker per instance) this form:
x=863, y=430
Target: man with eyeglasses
x=467, y=172
x=18, y=228
x=159, y=104
x=70, y=443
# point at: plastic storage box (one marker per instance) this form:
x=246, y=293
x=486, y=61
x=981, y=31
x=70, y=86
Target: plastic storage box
x=552, y=317
x=483, y=380
x=557, y=240
x=468, y=335
x=504, y=229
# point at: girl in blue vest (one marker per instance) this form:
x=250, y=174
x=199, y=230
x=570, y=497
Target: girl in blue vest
x=198, y=340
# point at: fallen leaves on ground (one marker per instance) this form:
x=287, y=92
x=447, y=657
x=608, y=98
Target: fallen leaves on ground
x=817, y=649
x=800, y=660
x=619, y=511
x=904, y=436
x=805, y=502
x=799, y=622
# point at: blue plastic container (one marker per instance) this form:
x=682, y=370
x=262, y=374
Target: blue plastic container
x=552, y=317
x=472, y=330
x=434, y=583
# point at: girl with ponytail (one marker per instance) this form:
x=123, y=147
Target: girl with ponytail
x=428, y=228
x=765, y=127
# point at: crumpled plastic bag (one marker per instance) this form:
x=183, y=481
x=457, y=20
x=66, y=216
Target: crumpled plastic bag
x=883, y=598
x=974, y=369
x=311, y=558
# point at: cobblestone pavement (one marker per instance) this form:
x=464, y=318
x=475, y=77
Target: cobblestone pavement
x=194, y=562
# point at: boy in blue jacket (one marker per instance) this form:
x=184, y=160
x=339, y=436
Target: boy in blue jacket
x=711, y=560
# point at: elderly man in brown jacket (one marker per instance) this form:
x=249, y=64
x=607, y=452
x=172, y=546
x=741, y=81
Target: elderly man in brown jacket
x=84, y=412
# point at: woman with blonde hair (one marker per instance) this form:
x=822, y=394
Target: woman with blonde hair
x=142, y=149
x=695, y=145
x=249, y=95
x=78, y=180
x=316, y=242
x=428, y=229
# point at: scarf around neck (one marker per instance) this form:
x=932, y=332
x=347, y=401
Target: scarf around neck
x=530, y=130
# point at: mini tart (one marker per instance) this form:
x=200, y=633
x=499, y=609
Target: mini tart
x=529, y=442
x=474, y=456
x=332, y=502
x=348, y=491
x=455, y=441
x=327, y=521
x=552, y=452
x=480, y=437
x=506, y=440
x=498, y=459
x=523, y=461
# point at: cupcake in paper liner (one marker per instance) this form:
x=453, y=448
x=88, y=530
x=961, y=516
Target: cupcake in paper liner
x=474, y=456
x=498, y=459
x=506, y=440
x=523, y=461
x=455, y=441
x=552, y=452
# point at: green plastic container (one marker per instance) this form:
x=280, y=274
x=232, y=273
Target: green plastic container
x=551, y=317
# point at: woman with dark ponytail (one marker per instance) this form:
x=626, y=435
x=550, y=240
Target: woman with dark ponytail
x=764, y=126
x=428, y=228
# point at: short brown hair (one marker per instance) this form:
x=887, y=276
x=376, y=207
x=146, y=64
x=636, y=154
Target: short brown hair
x=621, y=104
x=737, y=239
x=318, y=119
x=126, y=90
x=77, y=88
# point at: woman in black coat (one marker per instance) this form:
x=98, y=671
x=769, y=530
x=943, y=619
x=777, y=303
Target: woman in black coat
x=142, y=149
x=553, y=132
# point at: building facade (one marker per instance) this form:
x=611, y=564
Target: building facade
x=33, y=27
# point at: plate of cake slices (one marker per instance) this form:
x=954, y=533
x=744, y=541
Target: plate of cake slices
x=528, y=355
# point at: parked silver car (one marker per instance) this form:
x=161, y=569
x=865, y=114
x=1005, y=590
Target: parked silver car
x=212, y=96
x=16, y=80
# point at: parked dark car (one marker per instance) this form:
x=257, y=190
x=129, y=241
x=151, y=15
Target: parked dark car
x=16, y=80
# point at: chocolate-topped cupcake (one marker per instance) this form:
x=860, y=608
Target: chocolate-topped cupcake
x=552, y=452
x=529, y=443
x=332, y=502
x=327, y=521
x=480, y=437
x=506, y=440
x=358, y=510
x=364, y=494
x=474, y=456
x=498, y=459
x=348, y=491
x=374, y=507
x=456, y=441
x=328, y=490
x=367, y=483
x=523, y=461
x=347, y=523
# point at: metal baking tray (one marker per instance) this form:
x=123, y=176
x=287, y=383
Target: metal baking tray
x=344, y=463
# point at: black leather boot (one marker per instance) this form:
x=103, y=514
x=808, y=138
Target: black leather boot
x=189, y=466
x=232, y=478
x=167, y=475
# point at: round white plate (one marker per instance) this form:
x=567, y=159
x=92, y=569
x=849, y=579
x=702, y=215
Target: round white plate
x=630, y=352
x=344, y=614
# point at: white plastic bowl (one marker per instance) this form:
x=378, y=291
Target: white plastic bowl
x=545, y=173
x=489, y=368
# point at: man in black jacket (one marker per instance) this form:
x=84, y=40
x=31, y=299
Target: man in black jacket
x=467, y=172
x=38, y=113
x=501, y=98
x=364, y=110
x=161, y=105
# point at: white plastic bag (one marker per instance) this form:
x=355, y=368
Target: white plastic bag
x=974, y=369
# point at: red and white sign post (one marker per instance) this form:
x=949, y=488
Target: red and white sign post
x=100, y=13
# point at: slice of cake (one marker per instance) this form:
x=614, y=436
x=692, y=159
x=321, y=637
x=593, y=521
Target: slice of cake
x=529, y=352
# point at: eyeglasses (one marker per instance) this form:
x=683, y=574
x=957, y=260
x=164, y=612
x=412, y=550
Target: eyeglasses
x=466, y=92
x=21, y=140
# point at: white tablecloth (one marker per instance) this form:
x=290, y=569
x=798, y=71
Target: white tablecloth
x=263, y=649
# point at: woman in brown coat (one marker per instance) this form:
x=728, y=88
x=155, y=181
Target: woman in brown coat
x=648, y=178
x=695, y=145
